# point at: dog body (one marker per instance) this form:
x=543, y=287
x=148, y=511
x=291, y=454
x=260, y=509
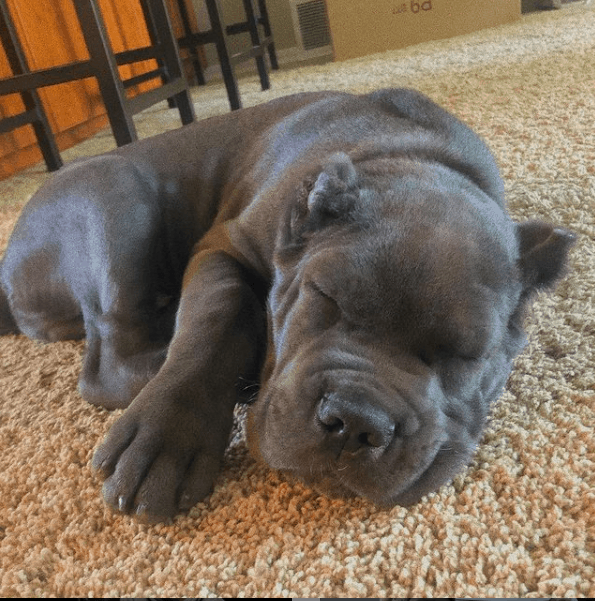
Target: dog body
x=352, y=253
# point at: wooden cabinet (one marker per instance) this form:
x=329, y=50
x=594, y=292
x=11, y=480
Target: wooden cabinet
x=50, y=35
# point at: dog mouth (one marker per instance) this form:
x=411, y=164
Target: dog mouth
x=306, y=432
x=344, y=478
x=400, y=473
x=339, y=480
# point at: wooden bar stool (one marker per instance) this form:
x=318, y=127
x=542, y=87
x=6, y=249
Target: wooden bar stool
x=102, y=65
x=34, y=113
x=255, y=17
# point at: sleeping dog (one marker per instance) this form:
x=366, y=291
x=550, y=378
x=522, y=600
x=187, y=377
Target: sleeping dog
x=352, y=254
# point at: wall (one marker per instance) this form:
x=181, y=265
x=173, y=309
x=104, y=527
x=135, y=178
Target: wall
x=360, y=28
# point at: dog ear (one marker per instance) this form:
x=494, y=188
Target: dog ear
x=334, y=194
x=326, y=199
x=543, y=250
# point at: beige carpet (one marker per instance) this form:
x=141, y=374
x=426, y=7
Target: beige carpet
x=520, y=521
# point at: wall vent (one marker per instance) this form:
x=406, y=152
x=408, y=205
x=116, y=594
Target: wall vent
x=311, y=27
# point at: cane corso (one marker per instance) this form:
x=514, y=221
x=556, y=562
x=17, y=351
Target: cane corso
x=351, y=254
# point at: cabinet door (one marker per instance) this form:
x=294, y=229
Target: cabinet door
x=50, y=35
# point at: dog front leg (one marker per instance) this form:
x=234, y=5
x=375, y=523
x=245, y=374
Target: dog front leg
x=163, y=455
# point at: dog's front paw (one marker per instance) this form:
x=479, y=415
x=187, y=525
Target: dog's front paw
x=159, y=459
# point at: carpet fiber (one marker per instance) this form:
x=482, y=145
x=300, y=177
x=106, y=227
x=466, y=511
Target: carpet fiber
x=520, y=521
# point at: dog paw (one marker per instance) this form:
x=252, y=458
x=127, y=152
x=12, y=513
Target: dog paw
x=158, y=461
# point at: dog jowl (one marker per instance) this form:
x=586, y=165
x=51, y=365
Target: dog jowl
x=351, y=253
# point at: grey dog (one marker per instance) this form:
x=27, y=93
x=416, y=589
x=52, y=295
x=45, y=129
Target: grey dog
x=351, y=254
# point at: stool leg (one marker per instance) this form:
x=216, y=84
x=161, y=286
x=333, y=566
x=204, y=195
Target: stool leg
x=229, y=77
x=106, y=70
x=171, y=57
x=255, y=38
x=154, y=37
x=196, y=65
x=266, y=25
x=31, y=100
x=43, y=132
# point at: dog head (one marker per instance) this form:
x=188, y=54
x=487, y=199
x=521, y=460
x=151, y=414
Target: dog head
x=394, y=317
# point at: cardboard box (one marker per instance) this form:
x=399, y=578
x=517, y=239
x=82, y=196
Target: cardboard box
x=360, y=27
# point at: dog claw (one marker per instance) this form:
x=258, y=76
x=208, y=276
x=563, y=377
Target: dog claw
x=102, y=467
x=122, y=503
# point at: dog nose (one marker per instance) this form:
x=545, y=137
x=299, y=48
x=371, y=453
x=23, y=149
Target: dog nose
x=352, y=424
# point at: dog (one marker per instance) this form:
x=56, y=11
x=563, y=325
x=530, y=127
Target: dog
x=352, y=254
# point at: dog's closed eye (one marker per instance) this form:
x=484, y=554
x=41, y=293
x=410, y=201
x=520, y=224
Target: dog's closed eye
x=326, y=311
